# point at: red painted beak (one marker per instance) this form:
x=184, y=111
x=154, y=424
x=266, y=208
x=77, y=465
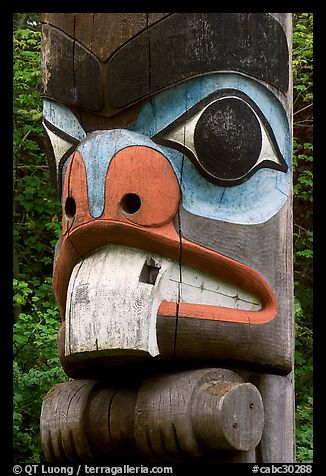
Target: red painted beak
x=142, y=197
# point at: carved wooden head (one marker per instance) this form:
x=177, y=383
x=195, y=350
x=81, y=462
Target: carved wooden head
x=170, y=141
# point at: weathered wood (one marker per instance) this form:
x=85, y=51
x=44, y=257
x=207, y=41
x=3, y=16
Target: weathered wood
x=257, y=47
x=98, y=419
x=155, y=17
x=228, y=416
x=277, y=444
x=194, y=410
x=80, y=68
x=177, y=415
x=122, y=419
x=170, y=139
x=63, y=21
x=119, y=28
x=62, y=417
x=97, y=284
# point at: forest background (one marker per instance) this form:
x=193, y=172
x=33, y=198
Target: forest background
x=37, y=216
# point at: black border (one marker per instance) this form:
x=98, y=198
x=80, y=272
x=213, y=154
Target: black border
x=6, y=190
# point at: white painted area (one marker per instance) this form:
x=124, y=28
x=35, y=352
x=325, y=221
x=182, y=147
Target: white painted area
x=108, y=308
x=60, y=146
x=183, y=134
x=63, y=119
x=201, y=288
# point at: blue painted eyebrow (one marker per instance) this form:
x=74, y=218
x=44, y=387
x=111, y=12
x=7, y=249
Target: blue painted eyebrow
x=251, y=202
x=167, y=106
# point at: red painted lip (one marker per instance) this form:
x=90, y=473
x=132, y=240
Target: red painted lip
x=242, y=276
x=166, y=242
x=145, y=172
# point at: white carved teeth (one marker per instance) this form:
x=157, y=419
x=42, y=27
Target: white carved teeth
x=200, y=288
x=114, y=295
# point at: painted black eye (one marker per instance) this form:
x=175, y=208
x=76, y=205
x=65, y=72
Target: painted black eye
x=226, y=137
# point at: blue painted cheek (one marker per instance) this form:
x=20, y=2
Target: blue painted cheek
x=252, y=202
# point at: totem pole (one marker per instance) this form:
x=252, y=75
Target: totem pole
x=169, y=138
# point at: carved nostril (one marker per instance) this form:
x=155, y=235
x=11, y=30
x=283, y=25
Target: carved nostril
x=130, y=203
x=70, y=208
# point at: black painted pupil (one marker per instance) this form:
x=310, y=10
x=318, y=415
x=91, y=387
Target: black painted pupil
x=228, y=139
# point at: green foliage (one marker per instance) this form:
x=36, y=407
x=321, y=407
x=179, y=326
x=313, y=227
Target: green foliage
x=36, y=363
x=302, y=57
x=36, y=366
x=303, y=231
x=36, y=209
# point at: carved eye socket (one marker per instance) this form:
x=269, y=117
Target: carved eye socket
x=226, y=137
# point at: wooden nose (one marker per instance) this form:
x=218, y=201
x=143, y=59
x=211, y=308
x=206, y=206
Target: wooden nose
x=141, y=187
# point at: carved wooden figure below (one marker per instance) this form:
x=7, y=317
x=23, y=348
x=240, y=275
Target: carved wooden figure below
x=169, y=139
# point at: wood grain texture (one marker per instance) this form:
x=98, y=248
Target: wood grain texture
x=101, y=33
x=165, y=418
x=104, y=33
x=277, y=444
x=155, y=17
x=268, y=249
x=233, y=413
x=109, y=118
x=122, y=419
x=189, y=53
x=63, y=21
x=204, y=340
x=96, y=418
x=70, y=73
x=104, y=312
x=173, y=410
x=76, y=46
x=173, y=417
x=62, y=422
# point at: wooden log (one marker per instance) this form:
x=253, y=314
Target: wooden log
x=63, y=422
x=122, y=419
x=84, y=420
x=228, y=416
x=189, y=412
x=96, y=417
x=171, y=417
x=276, y=444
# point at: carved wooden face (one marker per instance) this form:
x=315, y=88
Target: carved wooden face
x=174, y=212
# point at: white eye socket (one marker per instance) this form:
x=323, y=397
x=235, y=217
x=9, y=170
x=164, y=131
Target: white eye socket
x=226, y=137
